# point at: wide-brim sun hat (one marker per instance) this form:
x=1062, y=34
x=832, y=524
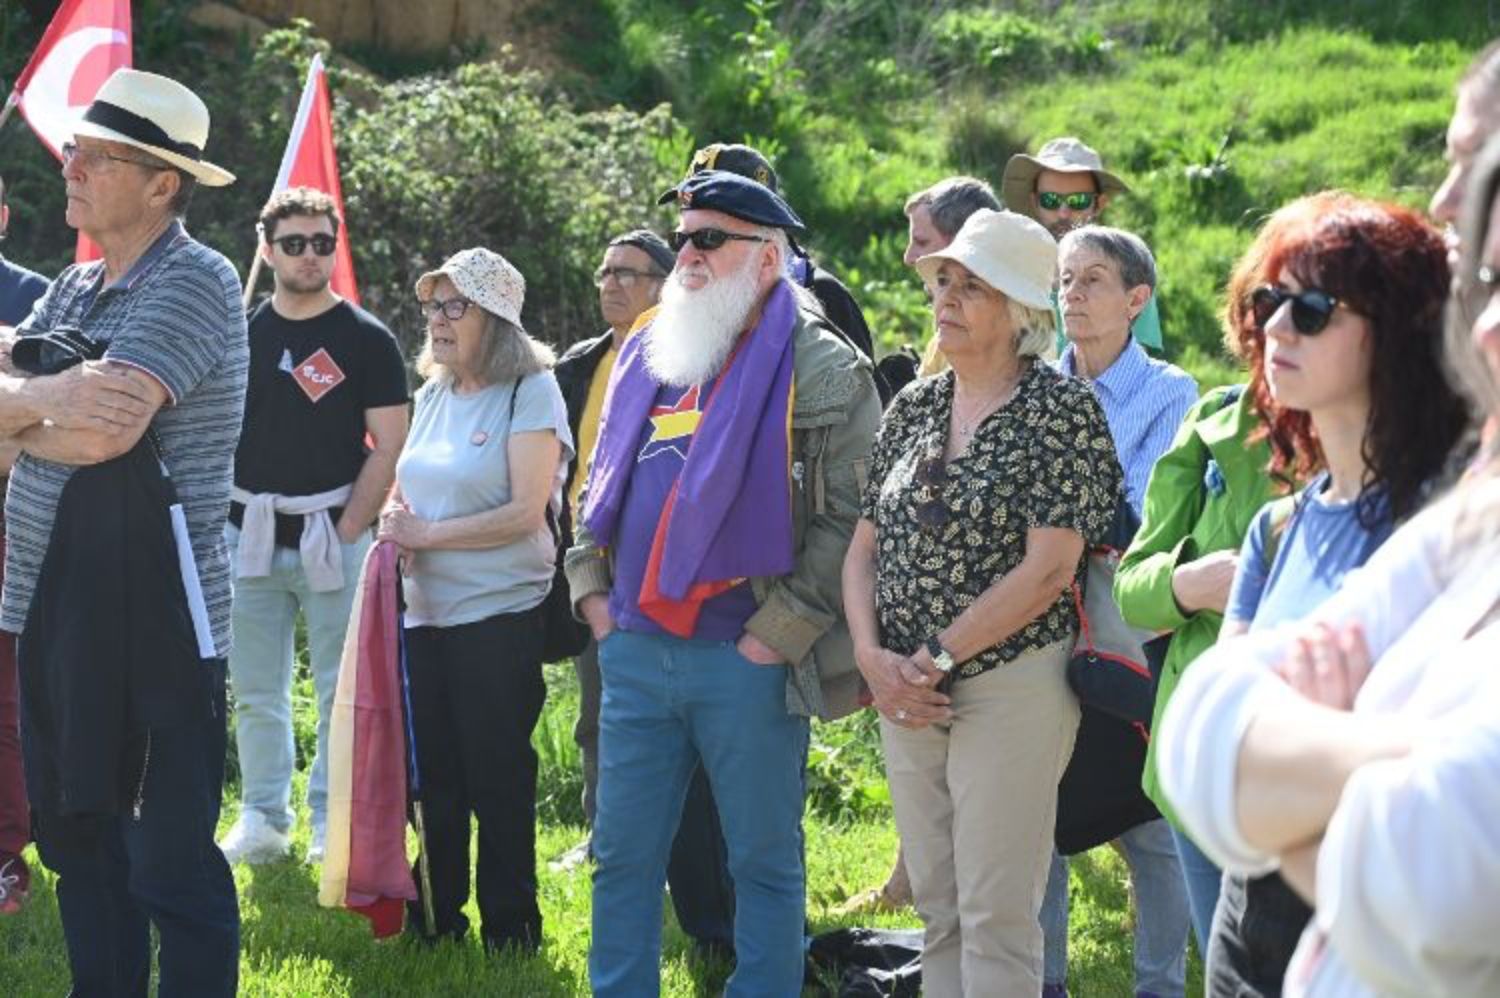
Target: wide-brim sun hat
x=485, y=278
x=157, y=115
x=1011, y=253
x=1064, y=155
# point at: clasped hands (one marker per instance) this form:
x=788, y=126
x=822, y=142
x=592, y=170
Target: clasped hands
x=904, y=687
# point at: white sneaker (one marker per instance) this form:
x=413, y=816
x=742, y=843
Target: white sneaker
x=315, y=845
x=253, y=840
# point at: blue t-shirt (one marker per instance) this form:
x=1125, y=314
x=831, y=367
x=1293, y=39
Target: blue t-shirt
x=1321, y=543
x=19, y=290
x=659, y=458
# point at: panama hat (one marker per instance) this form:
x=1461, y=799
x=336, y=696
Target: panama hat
x=158, y=115
x=1011, y=253
x=485, y=278
x=1064, y=155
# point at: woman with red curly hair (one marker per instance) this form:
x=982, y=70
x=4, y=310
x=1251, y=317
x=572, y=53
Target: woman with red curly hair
x=1351, y=312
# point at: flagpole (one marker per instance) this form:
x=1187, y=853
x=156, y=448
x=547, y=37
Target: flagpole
x=10, y=105
x=250, y=280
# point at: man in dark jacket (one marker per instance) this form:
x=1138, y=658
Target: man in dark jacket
x=630, y=281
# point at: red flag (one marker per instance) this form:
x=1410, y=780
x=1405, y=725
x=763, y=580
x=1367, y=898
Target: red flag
x=86, y=42
x=309, y=161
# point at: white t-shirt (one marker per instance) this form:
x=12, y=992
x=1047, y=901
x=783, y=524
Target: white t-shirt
x=456, y=463
x=1408, y=883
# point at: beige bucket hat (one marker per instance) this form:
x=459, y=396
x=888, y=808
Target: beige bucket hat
x=158, y=115
x=1011, y=253
x=485, y=278
x=1065, y=155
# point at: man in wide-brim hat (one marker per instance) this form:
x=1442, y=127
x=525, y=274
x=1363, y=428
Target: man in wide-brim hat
x=123, y=676
x=1063, y=186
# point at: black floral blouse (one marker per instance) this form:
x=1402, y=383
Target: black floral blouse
x=946, y=533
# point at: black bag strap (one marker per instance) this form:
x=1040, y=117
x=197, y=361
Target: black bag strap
x=552, y=525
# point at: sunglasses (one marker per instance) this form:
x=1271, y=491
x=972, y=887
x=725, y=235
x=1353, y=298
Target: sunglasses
x=932, y=474
x=453, y=309
x=1052, y=201
x=1311, y=309
x=624, y=276
x=322, y=245
x=707, y=240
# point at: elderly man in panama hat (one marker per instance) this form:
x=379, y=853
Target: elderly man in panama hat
x=124, y=743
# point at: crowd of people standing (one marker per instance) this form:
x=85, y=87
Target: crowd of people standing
x=759, y=525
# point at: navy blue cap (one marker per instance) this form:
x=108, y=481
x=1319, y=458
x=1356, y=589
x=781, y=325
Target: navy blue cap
x=719, y=190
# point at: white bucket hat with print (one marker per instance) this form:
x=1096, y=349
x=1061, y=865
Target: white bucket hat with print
x=1010, y=252
x=485, y=278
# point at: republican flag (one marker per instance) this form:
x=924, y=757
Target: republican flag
x=309, y=161
x=86, y=42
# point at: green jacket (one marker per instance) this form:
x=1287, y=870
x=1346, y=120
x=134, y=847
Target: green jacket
x=835, y=415
x=1203, y=493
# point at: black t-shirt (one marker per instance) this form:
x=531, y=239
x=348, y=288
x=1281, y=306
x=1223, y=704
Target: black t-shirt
x=311, y=381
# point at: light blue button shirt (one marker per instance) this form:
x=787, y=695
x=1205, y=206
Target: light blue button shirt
x=1144, y=401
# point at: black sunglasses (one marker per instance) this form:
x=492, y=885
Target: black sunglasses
x=322, y=245
x=932, y=475
x=707, y=240
x=1311, y=309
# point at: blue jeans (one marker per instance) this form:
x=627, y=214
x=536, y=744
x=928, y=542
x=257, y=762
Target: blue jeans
x=668, y=702
x=1161, y=921
x=1203, y=881
x=260, y=673
x=117, y=875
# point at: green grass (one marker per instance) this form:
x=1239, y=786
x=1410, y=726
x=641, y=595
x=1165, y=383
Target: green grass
x=291, y=947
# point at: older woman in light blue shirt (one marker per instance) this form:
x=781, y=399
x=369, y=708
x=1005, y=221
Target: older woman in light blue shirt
x=1106, y=278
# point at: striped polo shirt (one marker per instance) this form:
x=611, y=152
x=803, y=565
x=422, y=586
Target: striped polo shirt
x=177, y=316
x=1144, y=400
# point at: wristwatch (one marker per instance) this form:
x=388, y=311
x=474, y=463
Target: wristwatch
x=941, y=657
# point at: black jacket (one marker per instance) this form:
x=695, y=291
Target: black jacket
x=109, y=650
x=575, y=373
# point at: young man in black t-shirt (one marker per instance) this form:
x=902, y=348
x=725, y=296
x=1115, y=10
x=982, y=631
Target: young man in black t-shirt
x=325, y=419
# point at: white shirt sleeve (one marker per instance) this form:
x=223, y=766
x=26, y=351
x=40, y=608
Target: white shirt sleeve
x=1409, y=871
x=1199, y=738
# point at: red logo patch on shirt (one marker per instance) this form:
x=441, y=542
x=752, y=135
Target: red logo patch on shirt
x=318, y=375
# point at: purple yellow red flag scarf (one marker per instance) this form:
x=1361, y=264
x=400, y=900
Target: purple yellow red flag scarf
x=364, y=866
x=729, y=515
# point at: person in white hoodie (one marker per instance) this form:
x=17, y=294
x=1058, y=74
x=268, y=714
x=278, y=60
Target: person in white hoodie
x=1358, y=751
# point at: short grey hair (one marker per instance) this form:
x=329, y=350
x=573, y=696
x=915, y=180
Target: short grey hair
x=1129, y=252
x=506, y=353
x=952, y=200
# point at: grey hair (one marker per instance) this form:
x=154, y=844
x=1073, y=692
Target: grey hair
x=1036, y=329
x=1131, y=256
x=506, y=353
x=1484, y=71
x=952, y=200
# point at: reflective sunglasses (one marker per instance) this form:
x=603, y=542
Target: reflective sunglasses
x=1052, y=201
x=1311, y=308
x=453, y=309
x=322, y=244
x=707, y=240
x=624, y=276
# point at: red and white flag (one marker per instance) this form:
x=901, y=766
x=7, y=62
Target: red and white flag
x=309, y=161
x=86, y=42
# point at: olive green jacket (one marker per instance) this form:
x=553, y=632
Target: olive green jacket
x=1203, y=493
x=835, y=416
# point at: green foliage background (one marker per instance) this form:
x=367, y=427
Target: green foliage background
x=1217, y=111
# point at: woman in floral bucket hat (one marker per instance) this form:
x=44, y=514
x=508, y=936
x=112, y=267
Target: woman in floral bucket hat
x=483, y=464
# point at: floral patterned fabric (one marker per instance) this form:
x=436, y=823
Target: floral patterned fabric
x=945, y=534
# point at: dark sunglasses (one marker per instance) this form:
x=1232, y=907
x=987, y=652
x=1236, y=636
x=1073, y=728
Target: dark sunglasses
x=932, y=475
x=1052, y=201
x=453, y=309
x=1311, y=309
x=707, y=240
x=322, y=245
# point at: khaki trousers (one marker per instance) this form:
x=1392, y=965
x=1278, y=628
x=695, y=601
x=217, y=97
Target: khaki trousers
x=975, y=802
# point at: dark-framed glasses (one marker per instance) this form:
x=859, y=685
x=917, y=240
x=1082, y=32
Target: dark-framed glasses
x=1077, y=201
x=625, y=277
x=453, y=309
x=707, y=240
x=1311, y=308
x=322, y=244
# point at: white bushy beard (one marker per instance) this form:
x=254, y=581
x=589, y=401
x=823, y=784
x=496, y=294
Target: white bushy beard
x=695, y=330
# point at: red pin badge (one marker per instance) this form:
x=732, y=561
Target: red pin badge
x=479, y=438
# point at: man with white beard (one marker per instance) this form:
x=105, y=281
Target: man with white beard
x=721, y=499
